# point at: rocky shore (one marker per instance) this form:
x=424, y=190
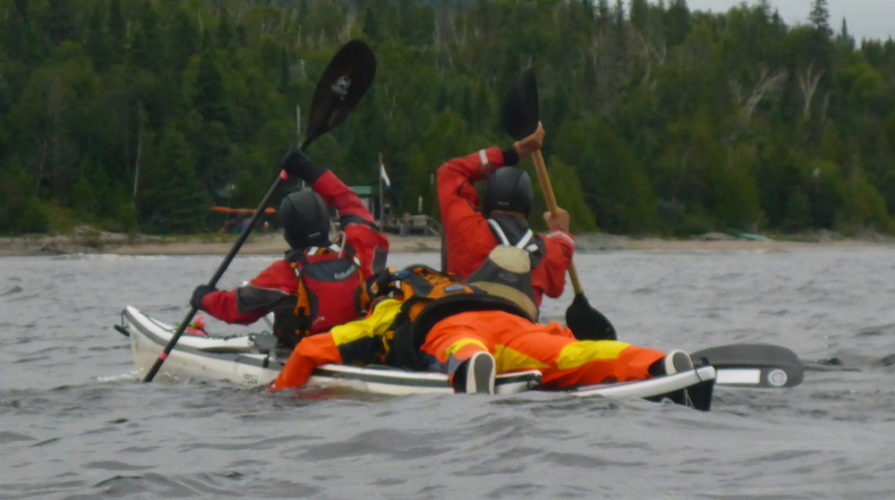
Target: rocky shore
x=93, y=242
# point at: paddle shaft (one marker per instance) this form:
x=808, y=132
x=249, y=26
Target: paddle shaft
x=223, y=267
x=217, y=275
x=343, y=83
x=553, y=208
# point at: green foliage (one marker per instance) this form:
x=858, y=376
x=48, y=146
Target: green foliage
x=172, y=199
x=733, y=198
x=659, y=119
x=569, y=194
x=20, y=211
x=862, y=207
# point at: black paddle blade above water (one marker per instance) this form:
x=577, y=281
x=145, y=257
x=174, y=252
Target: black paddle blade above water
x=520, y=112
x=344, y=82
x=588, y=323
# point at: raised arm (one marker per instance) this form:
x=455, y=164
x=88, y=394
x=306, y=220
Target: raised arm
x=466, y=232
x=370, y=245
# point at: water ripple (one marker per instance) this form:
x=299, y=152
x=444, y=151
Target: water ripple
x=78, y=423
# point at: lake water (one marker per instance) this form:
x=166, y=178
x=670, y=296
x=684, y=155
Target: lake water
x=77, y=423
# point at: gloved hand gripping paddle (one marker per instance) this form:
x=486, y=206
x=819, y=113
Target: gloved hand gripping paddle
x=520, y=119
x=344, y=81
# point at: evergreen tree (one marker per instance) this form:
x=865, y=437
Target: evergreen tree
x=639, y=13
x=20, y=209
x=820, y=17
x=59, y=20
x=210, y=99
x=97, y=40
x=677, y=22
x=116, y=24
x=659, y=119
x=173, y=200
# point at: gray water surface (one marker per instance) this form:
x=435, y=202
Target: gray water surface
x=77, y=423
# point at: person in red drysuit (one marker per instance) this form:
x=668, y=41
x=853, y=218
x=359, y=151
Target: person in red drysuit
x=318, y=284
x=471, y=233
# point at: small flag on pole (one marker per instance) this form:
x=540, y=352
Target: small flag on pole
x=383, y=175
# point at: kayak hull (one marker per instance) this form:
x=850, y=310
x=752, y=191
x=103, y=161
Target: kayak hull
x=243, y=361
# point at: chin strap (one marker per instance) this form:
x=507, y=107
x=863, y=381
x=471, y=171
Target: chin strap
x=341, y=246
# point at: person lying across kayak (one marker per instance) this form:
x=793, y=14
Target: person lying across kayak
x=431, y=321
x=471, y=231
x=319, y=284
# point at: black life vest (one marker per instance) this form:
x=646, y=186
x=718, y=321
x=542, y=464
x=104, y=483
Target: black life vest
x=428, y=297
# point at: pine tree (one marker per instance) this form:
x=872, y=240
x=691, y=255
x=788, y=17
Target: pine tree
x=820, y=17
x=210, y=98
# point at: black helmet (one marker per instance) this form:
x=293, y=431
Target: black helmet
x=305, y=219
x=509, y=188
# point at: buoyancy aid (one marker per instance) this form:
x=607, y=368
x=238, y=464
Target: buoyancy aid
x=514, y=231
x=331, y=291
x=506, y=271
x=428, y=297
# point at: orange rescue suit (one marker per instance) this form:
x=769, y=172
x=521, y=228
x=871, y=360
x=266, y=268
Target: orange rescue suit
x=516, y=343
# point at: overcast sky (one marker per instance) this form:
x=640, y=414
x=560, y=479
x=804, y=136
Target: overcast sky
x=865, y=18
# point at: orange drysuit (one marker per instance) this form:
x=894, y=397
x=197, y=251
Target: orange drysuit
x=519, y=344
x=468, y=237
x=516, y=343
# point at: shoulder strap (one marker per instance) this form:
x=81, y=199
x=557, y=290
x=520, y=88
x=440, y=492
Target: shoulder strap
x=502, y=236
x=498, y=231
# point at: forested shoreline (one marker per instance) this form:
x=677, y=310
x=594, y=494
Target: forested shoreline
x=137, y=116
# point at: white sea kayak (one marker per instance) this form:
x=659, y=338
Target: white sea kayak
x=251, y=360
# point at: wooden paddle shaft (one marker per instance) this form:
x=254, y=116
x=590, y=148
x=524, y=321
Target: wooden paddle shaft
x=228, y=210
x=550, y=198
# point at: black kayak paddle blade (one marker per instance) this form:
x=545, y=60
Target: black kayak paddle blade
x=520, y=112
x=344, y=81
x=588, y=323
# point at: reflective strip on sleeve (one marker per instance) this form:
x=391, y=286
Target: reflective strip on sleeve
x=554, y=234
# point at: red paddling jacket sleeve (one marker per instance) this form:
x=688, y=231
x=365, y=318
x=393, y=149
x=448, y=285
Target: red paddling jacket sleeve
x=358, y=224
x=370, y=246
x=468, y=236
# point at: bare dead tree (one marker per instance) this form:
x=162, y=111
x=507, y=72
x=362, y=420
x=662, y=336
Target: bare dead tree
x=767, y=82
x=808, y=79
x=138, y=156
x=40, y=165
x=299, y=71
x=649, y=54
x=238, y=10
x=460, y=36
x=56, y=107
x=445, y=24
x=348, y=26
